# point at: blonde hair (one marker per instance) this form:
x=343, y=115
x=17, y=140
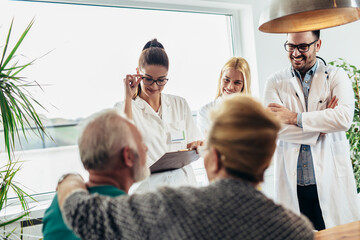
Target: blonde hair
x=244, y=135
x=238, y=64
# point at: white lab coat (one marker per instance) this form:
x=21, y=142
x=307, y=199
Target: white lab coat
x=203, y=115
x=157, y=135
x=331, y=153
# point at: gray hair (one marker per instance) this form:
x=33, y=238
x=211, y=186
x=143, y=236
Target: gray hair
x=104, y=135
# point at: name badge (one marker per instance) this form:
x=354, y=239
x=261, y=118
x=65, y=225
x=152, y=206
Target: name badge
x=177, y=136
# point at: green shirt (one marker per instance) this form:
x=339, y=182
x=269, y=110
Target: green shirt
x=54, y=227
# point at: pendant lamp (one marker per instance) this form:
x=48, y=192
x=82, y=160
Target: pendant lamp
x=285, y=16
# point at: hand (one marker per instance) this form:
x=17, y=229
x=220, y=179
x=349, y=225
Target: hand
x=64, y=176
x=285, y=115
x=67, y=185
x=131, y=82
x=194, y=145
x=332, y=104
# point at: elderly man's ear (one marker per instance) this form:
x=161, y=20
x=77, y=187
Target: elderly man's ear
x=128, y=156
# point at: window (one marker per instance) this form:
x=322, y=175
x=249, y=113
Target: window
x=93, y=48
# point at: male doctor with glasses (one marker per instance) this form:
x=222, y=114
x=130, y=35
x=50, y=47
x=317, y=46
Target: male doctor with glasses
x=313, y=172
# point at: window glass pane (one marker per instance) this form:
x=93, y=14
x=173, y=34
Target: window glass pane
x=92, y=49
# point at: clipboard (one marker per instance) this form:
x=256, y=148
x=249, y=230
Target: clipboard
x=174, y=160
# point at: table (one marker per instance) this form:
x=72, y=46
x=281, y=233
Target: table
x=349, y=231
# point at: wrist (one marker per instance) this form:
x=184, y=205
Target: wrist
x=128, y=98
x=66, y=175
x=294, y=120
x=68, y=184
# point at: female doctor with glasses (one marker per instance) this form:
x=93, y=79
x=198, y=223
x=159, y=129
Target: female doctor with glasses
x=165, y=121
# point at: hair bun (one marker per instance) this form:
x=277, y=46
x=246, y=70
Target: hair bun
x=153, y=43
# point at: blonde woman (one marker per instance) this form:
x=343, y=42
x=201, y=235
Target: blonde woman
x=234, y=78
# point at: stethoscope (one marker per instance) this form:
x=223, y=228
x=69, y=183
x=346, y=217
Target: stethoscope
x=326, y=72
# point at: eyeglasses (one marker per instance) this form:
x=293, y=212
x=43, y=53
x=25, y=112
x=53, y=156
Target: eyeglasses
x=303, y=47
x=150, y=81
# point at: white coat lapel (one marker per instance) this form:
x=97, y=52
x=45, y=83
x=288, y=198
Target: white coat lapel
x=294, y=81
x=165, y=105
x=317, y=88
x=144, y=106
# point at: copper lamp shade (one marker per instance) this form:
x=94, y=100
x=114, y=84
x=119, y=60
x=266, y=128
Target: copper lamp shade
x=285, y=16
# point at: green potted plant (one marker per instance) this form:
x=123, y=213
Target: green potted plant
x=353, y=134
x=17, y=110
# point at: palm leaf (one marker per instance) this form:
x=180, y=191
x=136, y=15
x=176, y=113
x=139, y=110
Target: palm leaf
x=17, y=114
x=14, y=219
x=6, y=44
x=7, y=121
x=19, y=105
x=10, y=56
x=8, y=174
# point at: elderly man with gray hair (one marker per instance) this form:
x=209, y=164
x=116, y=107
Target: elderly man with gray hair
x=112, y=151
x=239, y=148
